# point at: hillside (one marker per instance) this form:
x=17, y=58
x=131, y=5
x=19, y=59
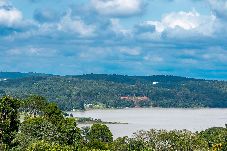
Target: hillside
x=73, y=92
x=15, y=75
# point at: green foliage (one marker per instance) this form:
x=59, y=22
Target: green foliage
x=34, y=129
x=9, y=120
x=16, y=75
x=2, y=93
x=34, y=105
x=49, y=130
x=46, y=146
x=214, y=136
x=73, y=92
x=121, y=144
x=70, y=134
x=170, y=140
x=123, y=104
x=53, y=113
x=39, y=128
x=224, y=146
x=99, y=136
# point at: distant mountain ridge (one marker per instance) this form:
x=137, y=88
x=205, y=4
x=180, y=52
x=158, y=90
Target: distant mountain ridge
x=74, y=92
x=133, y=79
x=15, y=75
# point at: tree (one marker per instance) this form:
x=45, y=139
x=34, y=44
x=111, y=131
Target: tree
x=2, y=93
x=81, y=105
x=121, y=144
x=47, y=146
x=35, y=129
x=9, y=119
x=53, y=113
x=35, y=105
x=214, y=136
x=39, y=128
x=100, y=136
x=169, y=140
x=69, y=132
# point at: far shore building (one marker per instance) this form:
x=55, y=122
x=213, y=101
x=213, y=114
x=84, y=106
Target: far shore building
x=135, y=99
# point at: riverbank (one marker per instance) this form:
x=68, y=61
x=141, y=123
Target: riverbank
x=127, y=108
x=157, y=118
x=89, y=120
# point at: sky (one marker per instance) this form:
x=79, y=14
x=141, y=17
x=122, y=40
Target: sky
x=134, y=37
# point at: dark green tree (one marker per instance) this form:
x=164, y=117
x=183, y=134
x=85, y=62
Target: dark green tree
x=9, y=119
x=215, y=135
x=34, y=105
x=53, y=114
x=47, y=146
x=69, y=132
x=35, y=129
x=100, y=136
x=2, y=93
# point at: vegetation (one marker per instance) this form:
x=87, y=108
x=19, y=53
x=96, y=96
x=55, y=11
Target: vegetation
x=47, y=129
x=105, y=91
x=15, y=75
x=89, y=120
x=9, y=120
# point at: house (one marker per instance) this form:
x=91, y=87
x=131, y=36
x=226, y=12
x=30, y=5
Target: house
x=135, y=99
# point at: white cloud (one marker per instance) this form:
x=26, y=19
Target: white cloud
x=130, y=51
x=159, y=27
x=185, y=20
x=118, y=7
x=190, y=21
x=118, y=29
x=219, y=7
x=31, y=51
x=153, y=58
x=215, y=54
x=9, y=15
x=68, y=24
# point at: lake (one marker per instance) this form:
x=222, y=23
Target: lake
x=158, y=118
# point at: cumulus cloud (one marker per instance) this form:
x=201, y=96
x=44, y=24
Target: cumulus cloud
x=70, y=25
x=118, y=7
x=99, y=35
x=219, y=7
x=188, y=23
x=9, y=16
x=184, y=20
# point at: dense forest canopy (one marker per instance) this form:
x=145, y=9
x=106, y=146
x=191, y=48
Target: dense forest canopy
x=102, y=90
x=45, y=128
x=14, y=75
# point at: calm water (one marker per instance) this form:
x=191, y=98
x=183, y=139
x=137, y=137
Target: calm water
x=145, y=119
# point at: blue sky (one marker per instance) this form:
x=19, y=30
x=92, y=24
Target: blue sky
x=134, y=37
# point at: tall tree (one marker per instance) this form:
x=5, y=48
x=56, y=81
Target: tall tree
x=53, y=114
x=100, y=136
x=35, y=105
x=9, y=119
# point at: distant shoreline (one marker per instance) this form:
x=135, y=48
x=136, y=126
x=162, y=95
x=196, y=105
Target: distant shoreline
x=141, y=108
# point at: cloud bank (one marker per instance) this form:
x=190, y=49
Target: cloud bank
x=114, y=36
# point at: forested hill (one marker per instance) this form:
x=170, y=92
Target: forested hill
x=101, y=90
x=15, y=75
x=133, y=79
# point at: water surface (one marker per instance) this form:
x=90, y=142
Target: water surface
x=158, y=118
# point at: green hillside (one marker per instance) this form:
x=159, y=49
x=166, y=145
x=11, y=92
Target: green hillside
x=73, y=92
x=15, y=75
